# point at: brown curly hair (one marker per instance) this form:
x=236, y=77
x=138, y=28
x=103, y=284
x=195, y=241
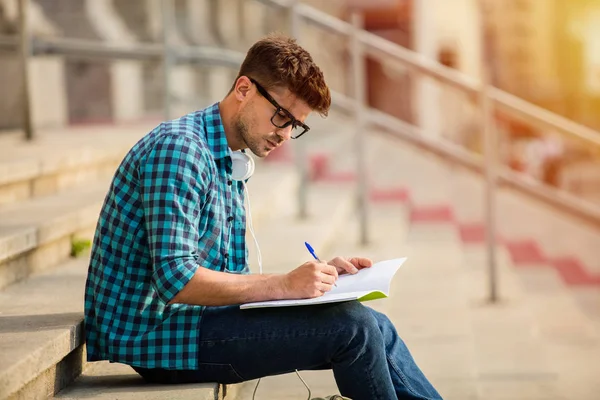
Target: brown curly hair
x=278, y=61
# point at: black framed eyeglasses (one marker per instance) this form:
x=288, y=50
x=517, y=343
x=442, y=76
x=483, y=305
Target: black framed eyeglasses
x=282, y=118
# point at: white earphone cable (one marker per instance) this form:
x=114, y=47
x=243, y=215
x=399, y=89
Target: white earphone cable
x=297, y=373
x=252, y=229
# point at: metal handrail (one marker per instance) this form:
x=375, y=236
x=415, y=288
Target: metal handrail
x=384, y=49
x=324, y=20
x=545, y=118
x=93, y=49
x=458, y=155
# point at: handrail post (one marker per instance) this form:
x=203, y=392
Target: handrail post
x=360, y=100
x=490, y=157
x=24, y=54
x=167, y=22
x=294, y=20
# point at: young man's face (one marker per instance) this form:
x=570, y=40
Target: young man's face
x=268, y=119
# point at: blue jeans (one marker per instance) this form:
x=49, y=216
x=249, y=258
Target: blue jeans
x=369, y=360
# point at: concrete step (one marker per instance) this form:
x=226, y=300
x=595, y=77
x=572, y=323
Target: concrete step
x=521, y=218
x=42, y=347
x=513, y=357
x=61, y=159
x=430, y=308
x=394, y=164
x=588, y=299
x=11, y=137
x=37, y=234
x=550, y=297
x=104, y=380
x=41, y=332
x=567, y=332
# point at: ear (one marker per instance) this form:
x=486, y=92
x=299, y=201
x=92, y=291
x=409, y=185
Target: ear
x=242, y=88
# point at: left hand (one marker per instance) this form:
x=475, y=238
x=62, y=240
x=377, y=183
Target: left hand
x=350, y=265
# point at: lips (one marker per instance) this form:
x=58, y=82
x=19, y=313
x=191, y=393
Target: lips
x=272, y=145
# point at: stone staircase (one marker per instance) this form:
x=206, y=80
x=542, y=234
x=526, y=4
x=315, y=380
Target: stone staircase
x=50, y=193
x=539, y=342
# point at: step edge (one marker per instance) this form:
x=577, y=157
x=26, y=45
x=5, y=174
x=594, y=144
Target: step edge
x=76, y=219
x=50, y=353
x=39, y=166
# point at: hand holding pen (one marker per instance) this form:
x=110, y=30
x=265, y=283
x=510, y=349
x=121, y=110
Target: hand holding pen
x=311, y=279
x=312, y=251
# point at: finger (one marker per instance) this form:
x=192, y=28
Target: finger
x=338, y=268
x=344, y=265
x=330, y=270
x=324, y=287
x=328, y=279
x=361, y=262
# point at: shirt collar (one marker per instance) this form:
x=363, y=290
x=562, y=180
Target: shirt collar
x=215, y=132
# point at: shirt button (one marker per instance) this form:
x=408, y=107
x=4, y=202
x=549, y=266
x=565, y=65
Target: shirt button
x=229, y=219
x=226, y=255
x=229, y=182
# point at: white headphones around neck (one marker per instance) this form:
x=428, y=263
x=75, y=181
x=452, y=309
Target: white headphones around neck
x=242, y=166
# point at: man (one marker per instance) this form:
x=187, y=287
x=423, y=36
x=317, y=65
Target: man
x=169, y=269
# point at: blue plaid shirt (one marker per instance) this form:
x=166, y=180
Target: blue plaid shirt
x=172, y=207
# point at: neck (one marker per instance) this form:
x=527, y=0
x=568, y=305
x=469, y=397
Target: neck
x=228, y=110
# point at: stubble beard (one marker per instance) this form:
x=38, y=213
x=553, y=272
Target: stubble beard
x=255, y=144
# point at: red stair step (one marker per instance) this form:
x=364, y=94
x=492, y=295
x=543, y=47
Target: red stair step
x=341, y=176
x=432, y=214
x=525, y=252
x=573, y=272
x=400, y=195
x=474, y=233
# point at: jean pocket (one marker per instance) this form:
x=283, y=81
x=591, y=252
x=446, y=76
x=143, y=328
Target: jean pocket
x=220, y=373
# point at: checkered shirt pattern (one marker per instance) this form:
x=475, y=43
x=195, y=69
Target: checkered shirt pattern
x=171, y=207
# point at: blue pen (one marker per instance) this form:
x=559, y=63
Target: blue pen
x=312, y=251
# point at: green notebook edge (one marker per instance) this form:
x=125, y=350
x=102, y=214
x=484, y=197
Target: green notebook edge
x=373, y=296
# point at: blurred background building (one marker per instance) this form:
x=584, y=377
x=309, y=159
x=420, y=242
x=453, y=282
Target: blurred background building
x=544, y=51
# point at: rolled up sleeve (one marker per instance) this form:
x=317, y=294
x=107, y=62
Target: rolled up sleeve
x=173, y=185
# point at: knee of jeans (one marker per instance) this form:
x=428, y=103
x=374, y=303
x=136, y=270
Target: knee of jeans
x=359, y=321
x=384, y=322
x=387, y=329
x=358, y=333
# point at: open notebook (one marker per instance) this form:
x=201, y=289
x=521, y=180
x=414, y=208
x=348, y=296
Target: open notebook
x=367, y=284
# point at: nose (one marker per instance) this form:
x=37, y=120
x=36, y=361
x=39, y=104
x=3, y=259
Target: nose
x=284, y=133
